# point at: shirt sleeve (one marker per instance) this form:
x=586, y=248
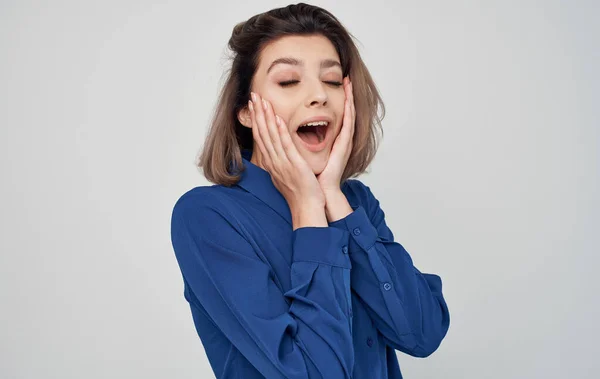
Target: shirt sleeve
x=407, y=306
x=304, y=332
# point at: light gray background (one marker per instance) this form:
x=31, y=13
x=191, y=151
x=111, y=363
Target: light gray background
x=488, y=174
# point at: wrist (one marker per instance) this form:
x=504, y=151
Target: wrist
x=309, y=215
x=336, y=206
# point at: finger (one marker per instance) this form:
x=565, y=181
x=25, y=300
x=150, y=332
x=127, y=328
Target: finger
x=347, y=128
x=341, y=139
x=347, y=87
x=272, y=128
x=352, y=129
x=262, y=126
x=352, y=110
x=256, y=132
x=352, y=105
x=350, y=96
x=348, y=91
x=287, y=143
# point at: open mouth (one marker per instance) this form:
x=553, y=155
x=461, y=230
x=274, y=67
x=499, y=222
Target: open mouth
x=313, y=133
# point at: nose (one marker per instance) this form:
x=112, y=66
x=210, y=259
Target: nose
x=317, y=95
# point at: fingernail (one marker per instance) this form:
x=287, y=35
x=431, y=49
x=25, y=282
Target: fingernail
x=250, y=106
x=264, y=104
x=277, y=120
x=253, y=95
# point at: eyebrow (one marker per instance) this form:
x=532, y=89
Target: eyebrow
x=326, y=63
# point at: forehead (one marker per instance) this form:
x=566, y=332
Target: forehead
x=305, y=48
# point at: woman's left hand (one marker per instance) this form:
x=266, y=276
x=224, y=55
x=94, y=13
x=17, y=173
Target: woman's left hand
x=331, y=176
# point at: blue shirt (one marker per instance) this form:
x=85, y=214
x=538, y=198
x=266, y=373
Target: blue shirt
x=318, y=302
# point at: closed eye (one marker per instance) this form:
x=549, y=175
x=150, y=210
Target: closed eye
x=288, y=83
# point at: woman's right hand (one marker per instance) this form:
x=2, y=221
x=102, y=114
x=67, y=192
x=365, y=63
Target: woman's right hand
x=290, y=173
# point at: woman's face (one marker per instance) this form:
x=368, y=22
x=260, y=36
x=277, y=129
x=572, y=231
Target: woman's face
x=301, y=77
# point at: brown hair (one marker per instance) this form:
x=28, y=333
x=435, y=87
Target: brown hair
x=227, y=136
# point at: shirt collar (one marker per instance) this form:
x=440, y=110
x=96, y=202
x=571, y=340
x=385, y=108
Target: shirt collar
x=257, y=181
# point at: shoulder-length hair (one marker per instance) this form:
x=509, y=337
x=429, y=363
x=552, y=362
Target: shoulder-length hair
x=227, y=136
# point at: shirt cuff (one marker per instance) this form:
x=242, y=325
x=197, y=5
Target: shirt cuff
x=359, y=226
x=322, y=245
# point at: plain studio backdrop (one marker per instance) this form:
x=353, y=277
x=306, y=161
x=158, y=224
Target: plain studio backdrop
x=488, y=175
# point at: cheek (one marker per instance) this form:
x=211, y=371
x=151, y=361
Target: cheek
x=337, y=101
x=339, y=109
x=278, y=101
x=283, y=110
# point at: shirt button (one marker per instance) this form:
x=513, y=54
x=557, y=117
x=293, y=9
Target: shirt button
x=387, y=286
x=345, y=249
x=356, y=231
x=370, y=341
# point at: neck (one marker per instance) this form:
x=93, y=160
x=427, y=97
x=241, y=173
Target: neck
x=256, y=158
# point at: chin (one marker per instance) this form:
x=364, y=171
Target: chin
x=317, y=170
x=317, y=162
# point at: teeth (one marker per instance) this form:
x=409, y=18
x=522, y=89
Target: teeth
x=316, y=123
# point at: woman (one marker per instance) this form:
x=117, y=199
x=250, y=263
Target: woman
x=289, y=267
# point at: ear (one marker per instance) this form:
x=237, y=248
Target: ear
x=244, y=117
